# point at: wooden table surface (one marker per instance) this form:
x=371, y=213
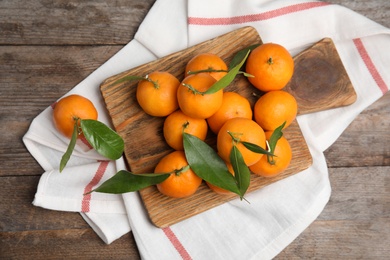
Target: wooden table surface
x=47, y=47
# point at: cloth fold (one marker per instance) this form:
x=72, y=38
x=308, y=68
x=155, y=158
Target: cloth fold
x=278, y=213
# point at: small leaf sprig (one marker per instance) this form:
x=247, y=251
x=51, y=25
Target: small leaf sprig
x=102, y=138
x=204, y=161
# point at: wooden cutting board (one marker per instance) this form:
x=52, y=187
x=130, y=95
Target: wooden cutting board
x=318, y=69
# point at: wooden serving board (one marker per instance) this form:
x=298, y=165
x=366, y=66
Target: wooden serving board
x=144, y=141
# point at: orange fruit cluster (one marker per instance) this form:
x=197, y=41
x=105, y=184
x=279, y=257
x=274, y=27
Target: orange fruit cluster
x=228, y=115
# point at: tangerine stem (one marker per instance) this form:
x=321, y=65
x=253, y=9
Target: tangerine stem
x=155, y=84
x=76, y=119
x=270, y=158
x=185, y=125
x=270, y=61
x=177, y=172
x=235, y=139
x=191, y=88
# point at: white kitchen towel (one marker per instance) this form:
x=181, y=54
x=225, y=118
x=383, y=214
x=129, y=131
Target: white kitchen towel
x=278, y=213
x=86, y=169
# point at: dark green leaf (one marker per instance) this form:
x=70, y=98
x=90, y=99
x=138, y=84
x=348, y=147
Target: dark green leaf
x=206, y=163
x=241, y=171
x=102, y=138
x=124, y=181
x=240, y=55
x=276, y=135
x=65, y=158
x=255, y=148
x=227, y=79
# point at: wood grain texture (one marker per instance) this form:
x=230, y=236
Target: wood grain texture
x=25, y=90
x=351, y=226
x=320, y=80
x=63, y=22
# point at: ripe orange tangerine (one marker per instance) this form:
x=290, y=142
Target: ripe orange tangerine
x=69, y=109
x=243, y=129
x=177, y=123
x=270, y=166
x=191, y=99
x=209, y=63
x=271, y=66
x=157, y=94
x=183, y=182
x=274, y=108
x=233, y=105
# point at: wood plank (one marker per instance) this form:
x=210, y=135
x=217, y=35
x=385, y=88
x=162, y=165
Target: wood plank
x=366, y=141
x=62, y=22
x=30, y=82
x=28, y=231
x=355, y=224
x=70, y=23
x=64, y=244
x=320, y=80
x=17, y=212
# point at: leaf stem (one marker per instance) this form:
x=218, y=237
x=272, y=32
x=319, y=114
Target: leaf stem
x=205, y=70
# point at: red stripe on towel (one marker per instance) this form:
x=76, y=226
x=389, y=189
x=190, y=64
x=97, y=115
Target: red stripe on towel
x=85, y=204
x=370, y=66
x=176, y=243
x=255, y=17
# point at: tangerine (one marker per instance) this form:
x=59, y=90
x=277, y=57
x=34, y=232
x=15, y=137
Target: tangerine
x=177, y=123
x=182, y=182
x=156, y=94
x=233, y=105
x=69, y=109
x=271, y=66
x=274, y=108
x=242, y=129
x=209, y=63
x=269, y=166
x=192, y=99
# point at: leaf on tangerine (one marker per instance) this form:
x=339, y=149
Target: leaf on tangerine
x=241, y=171
x=207, y=164
x=227, y=79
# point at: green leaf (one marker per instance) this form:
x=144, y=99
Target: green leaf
x=65, y=158
x=102, y=138
x=241, y=171
x=124, y=181
x=207, y=164
x=276, y=135
x=227, y=79
x=255, y=148
x=240, y=55
x=205, y=70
